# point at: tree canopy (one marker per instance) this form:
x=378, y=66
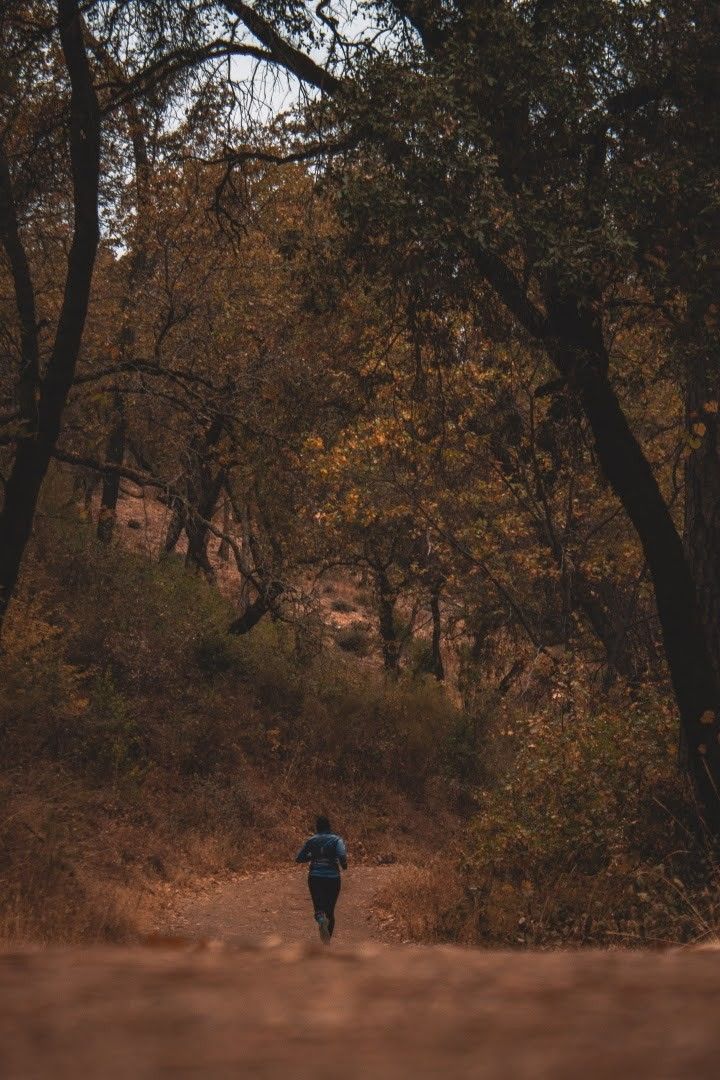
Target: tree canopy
x=423, y=289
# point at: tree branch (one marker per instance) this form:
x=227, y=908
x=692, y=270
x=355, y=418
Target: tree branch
x=175, y=62
x=144, y=367
x=268, y=592
x=282, y=52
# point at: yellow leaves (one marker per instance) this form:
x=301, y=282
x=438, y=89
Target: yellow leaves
x=694, y=437
x=698, y=428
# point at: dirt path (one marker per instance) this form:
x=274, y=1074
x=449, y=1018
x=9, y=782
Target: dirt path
x=275, y=905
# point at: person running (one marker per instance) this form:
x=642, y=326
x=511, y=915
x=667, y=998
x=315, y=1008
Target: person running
x=326, y=853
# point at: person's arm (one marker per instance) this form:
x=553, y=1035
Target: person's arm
x=341, y=853
x=303, y=854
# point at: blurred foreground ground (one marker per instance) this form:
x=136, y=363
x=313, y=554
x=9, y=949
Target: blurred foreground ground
x=234, y=984
x=373, y=1011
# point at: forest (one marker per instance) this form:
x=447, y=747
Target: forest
x=360, y=449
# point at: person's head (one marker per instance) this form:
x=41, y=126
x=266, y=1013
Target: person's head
x=322, y=824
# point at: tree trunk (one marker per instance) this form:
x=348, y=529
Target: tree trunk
x=203, y=495
x=387, y=598
x=197, y=549
x=140, y=263
x=175, y=526
x=224, y=548
x=260, y=607
x=438, y=668
x=604, y=626
x=702, y=486
x=33, y=454
x=205, y=480
x=579, y=352
x=114, y=455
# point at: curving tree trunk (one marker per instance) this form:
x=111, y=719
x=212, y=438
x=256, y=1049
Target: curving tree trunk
x=175, y=526
x=42, y=423
x=205, y=481
x=579, y=352
x=259, y=607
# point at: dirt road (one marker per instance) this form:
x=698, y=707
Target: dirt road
x=275, y=904
x=268, y=1010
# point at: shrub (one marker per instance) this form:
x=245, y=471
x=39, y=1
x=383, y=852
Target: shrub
x=107, y=742
x=421, y=656
x=587, y=836
x=202, y=741
x=267, y=660
x=342, y=606
x=425, y=902
x=44, y=698
x=354, y=638
x=147, y=620
x=216, y=654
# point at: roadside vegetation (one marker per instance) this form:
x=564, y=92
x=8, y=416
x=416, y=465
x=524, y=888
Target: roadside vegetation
x=144, y=747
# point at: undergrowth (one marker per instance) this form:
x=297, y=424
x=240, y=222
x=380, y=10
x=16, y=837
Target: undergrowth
x=140, y=741
x=586, y=837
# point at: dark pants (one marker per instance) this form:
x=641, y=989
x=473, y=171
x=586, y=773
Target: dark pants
x=324, y=892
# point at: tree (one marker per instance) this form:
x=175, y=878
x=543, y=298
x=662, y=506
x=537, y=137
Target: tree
x=509, y=140
x=42, y=395
x=495, y=157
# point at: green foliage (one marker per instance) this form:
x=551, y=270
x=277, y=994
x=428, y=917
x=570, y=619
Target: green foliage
x=267, y=660
x=157, y=628
x=201, y=741
x=467, y=746
x=320, y=707
x=421, y=656
x=145, y=619
x=577, y=787
x=106, y=742
x=587, y=836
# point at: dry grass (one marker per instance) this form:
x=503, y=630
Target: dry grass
x=424, y=902
x=617, y=907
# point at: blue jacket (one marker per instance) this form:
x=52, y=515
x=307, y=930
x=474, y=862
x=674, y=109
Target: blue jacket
x=326, y=853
